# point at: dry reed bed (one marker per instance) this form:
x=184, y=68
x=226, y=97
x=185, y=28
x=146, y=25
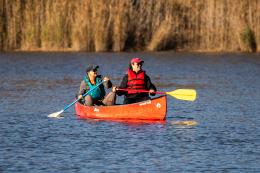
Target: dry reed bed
x=116, y=25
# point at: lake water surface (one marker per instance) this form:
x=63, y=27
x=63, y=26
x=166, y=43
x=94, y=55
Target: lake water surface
x=226, y=139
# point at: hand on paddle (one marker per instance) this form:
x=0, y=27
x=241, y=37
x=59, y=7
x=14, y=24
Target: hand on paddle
x=114, y=88
x=105, y=79
x=152, y=92
x=80, y=96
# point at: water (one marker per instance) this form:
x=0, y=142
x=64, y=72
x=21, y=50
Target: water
x=226, y=139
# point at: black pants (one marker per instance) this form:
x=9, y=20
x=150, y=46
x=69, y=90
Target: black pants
x=135, y=100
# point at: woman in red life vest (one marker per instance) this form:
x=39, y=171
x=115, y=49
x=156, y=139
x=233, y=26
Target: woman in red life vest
x=136, y=79
x=97, y=96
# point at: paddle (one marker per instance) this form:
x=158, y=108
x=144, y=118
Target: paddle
x=57, y=114
x=181, y=94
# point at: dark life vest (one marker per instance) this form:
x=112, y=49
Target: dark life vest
x=135, y=81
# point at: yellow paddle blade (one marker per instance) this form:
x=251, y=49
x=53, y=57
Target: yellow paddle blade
x=183, y=94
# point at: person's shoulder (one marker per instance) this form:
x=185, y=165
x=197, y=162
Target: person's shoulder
x=127, y=71
x=146, y=75
x=83, y=82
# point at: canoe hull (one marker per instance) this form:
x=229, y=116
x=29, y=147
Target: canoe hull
x=154, y=109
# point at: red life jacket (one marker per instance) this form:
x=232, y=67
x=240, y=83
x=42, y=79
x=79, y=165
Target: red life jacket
x=135, y=81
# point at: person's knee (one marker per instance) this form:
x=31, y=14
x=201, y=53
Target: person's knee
x=112, y=95
x=88, y=100
x=110, y=99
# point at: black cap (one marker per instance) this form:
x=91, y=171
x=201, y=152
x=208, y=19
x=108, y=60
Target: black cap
x=92, y=67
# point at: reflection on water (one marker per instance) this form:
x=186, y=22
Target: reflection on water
x=129, y=122
x=33, y=85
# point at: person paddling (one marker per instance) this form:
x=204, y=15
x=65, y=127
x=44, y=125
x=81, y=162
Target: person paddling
x=97, y=96
x=134, y=82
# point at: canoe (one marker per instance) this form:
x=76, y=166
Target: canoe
x=154, y=109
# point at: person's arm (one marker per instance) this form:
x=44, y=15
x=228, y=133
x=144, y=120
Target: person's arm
x=83, y=88
x=108, y=83
x=123, y=85
x=149, y=85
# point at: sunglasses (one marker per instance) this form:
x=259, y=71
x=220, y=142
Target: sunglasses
x=138, y=64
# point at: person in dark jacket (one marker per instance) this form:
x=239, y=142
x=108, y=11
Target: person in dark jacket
x=97, y=96
x=135, y=81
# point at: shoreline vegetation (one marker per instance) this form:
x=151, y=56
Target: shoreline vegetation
x=130, y=25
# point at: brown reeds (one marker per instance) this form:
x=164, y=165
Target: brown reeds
x=115, y=25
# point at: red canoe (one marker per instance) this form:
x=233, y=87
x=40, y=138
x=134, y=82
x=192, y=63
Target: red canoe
x=154, y=109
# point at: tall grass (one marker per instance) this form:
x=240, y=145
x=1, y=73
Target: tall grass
x=119, y=25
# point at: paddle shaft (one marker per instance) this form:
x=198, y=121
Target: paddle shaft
x=67, y=107
x=141, y=91
x=181, y=94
